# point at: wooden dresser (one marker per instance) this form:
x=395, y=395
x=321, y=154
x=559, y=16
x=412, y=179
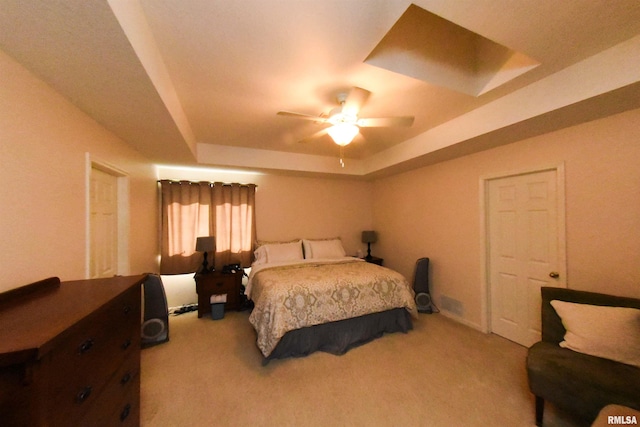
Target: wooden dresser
x=70, y=353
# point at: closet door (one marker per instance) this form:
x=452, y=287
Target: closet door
x=103, y=224
x=526, y=251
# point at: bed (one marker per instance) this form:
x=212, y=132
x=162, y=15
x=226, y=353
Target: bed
x=318, y=299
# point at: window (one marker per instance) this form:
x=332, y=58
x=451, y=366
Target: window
x=193, y=209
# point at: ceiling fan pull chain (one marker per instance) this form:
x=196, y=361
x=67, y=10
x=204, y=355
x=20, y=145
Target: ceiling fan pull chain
x=341, y=156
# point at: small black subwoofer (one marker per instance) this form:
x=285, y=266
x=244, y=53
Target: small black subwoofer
x=421, y=286
x=155, y=326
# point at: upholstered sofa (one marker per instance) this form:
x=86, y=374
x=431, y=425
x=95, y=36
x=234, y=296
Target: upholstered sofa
x=576, y=382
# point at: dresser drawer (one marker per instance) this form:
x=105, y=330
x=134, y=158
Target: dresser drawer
x=119, y=402
x=85, y=361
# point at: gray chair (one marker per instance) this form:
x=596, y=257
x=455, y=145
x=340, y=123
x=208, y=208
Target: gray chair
x=576, y=382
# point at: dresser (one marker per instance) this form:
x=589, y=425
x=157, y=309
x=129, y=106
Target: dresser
x=218, y=283
x=70, y=353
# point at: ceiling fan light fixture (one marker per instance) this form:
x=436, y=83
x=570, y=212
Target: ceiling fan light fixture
x=340, y=118
x=343, y=133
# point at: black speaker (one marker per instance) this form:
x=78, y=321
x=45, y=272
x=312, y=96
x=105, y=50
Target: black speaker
x=421, y=286
x=155, y=326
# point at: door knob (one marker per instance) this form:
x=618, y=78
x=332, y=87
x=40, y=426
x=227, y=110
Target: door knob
x=554, y=275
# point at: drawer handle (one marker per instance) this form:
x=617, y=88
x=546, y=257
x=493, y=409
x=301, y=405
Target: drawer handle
x=126, y=378
x=125, y=345
x=85, y=346
x=84, y=394
x=125, y=412
x=127, y=309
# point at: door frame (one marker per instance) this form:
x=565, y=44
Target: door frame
x=485, y=291
x=122, y=179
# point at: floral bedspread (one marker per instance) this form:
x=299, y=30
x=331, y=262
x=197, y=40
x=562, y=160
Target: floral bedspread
x=292, y=296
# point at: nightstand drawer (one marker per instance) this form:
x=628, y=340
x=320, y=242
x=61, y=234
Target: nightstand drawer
x=217, y=283
x=374, y=260
x=221, y=286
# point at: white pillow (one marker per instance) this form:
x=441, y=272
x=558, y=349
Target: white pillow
x=260, y=255
x=602, y=331
x=284, y=252
x=306, y=245
x=323, y=249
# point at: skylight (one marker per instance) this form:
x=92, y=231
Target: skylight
x=430, y=48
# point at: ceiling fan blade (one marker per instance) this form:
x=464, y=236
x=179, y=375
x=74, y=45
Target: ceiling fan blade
x=406, y=121
x=303, y=116
x=314, y=136
x=355, y=100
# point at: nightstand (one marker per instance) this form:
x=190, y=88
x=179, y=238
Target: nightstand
x=374, y=260
x=217, y=283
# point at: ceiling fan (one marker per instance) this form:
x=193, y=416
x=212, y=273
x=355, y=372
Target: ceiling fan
x=344, y=120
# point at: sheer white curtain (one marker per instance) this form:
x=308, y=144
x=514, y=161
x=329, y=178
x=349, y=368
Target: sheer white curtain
x=193, y=209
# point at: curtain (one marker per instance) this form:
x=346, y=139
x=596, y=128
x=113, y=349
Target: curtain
x=194, y=209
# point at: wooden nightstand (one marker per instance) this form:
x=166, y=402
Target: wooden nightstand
x=374, y=260
x=217, y=283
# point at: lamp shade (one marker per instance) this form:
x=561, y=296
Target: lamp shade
x=205, y=244
x=369, y=236
x=343, y=133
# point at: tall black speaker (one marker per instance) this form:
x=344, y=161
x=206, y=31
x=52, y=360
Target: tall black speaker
x=155, y=326
x=421, y=286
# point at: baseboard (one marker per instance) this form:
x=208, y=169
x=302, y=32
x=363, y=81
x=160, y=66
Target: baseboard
x=461, y=320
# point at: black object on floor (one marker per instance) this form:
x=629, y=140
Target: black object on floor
x=155, y=326
x=185, y=309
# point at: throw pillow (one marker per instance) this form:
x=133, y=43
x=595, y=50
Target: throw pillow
x=602, y=331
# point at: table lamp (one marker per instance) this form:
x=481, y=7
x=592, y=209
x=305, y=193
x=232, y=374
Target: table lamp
x=369, y=237
x=205, y=244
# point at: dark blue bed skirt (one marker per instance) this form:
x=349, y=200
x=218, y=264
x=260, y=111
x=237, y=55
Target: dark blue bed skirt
x=340, y=336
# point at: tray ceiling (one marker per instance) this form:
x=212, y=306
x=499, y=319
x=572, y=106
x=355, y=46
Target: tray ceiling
x=200, y=82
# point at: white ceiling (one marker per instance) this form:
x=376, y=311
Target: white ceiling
x=199, y=82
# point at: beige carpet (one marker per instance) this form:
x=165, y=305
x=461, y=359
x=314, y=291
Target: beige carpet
x=439, y=374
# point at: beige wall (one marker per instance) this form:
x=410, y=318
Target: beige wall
x=289, y=207
x=43, y=144
x=435, y=211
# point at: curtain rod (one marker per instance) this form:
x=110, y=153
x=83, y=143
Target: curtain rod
x=186, y=182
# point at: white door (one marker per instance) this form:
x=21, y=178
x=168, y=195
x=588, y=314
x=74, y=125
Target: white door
x=526, y=251
x=103, y=210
